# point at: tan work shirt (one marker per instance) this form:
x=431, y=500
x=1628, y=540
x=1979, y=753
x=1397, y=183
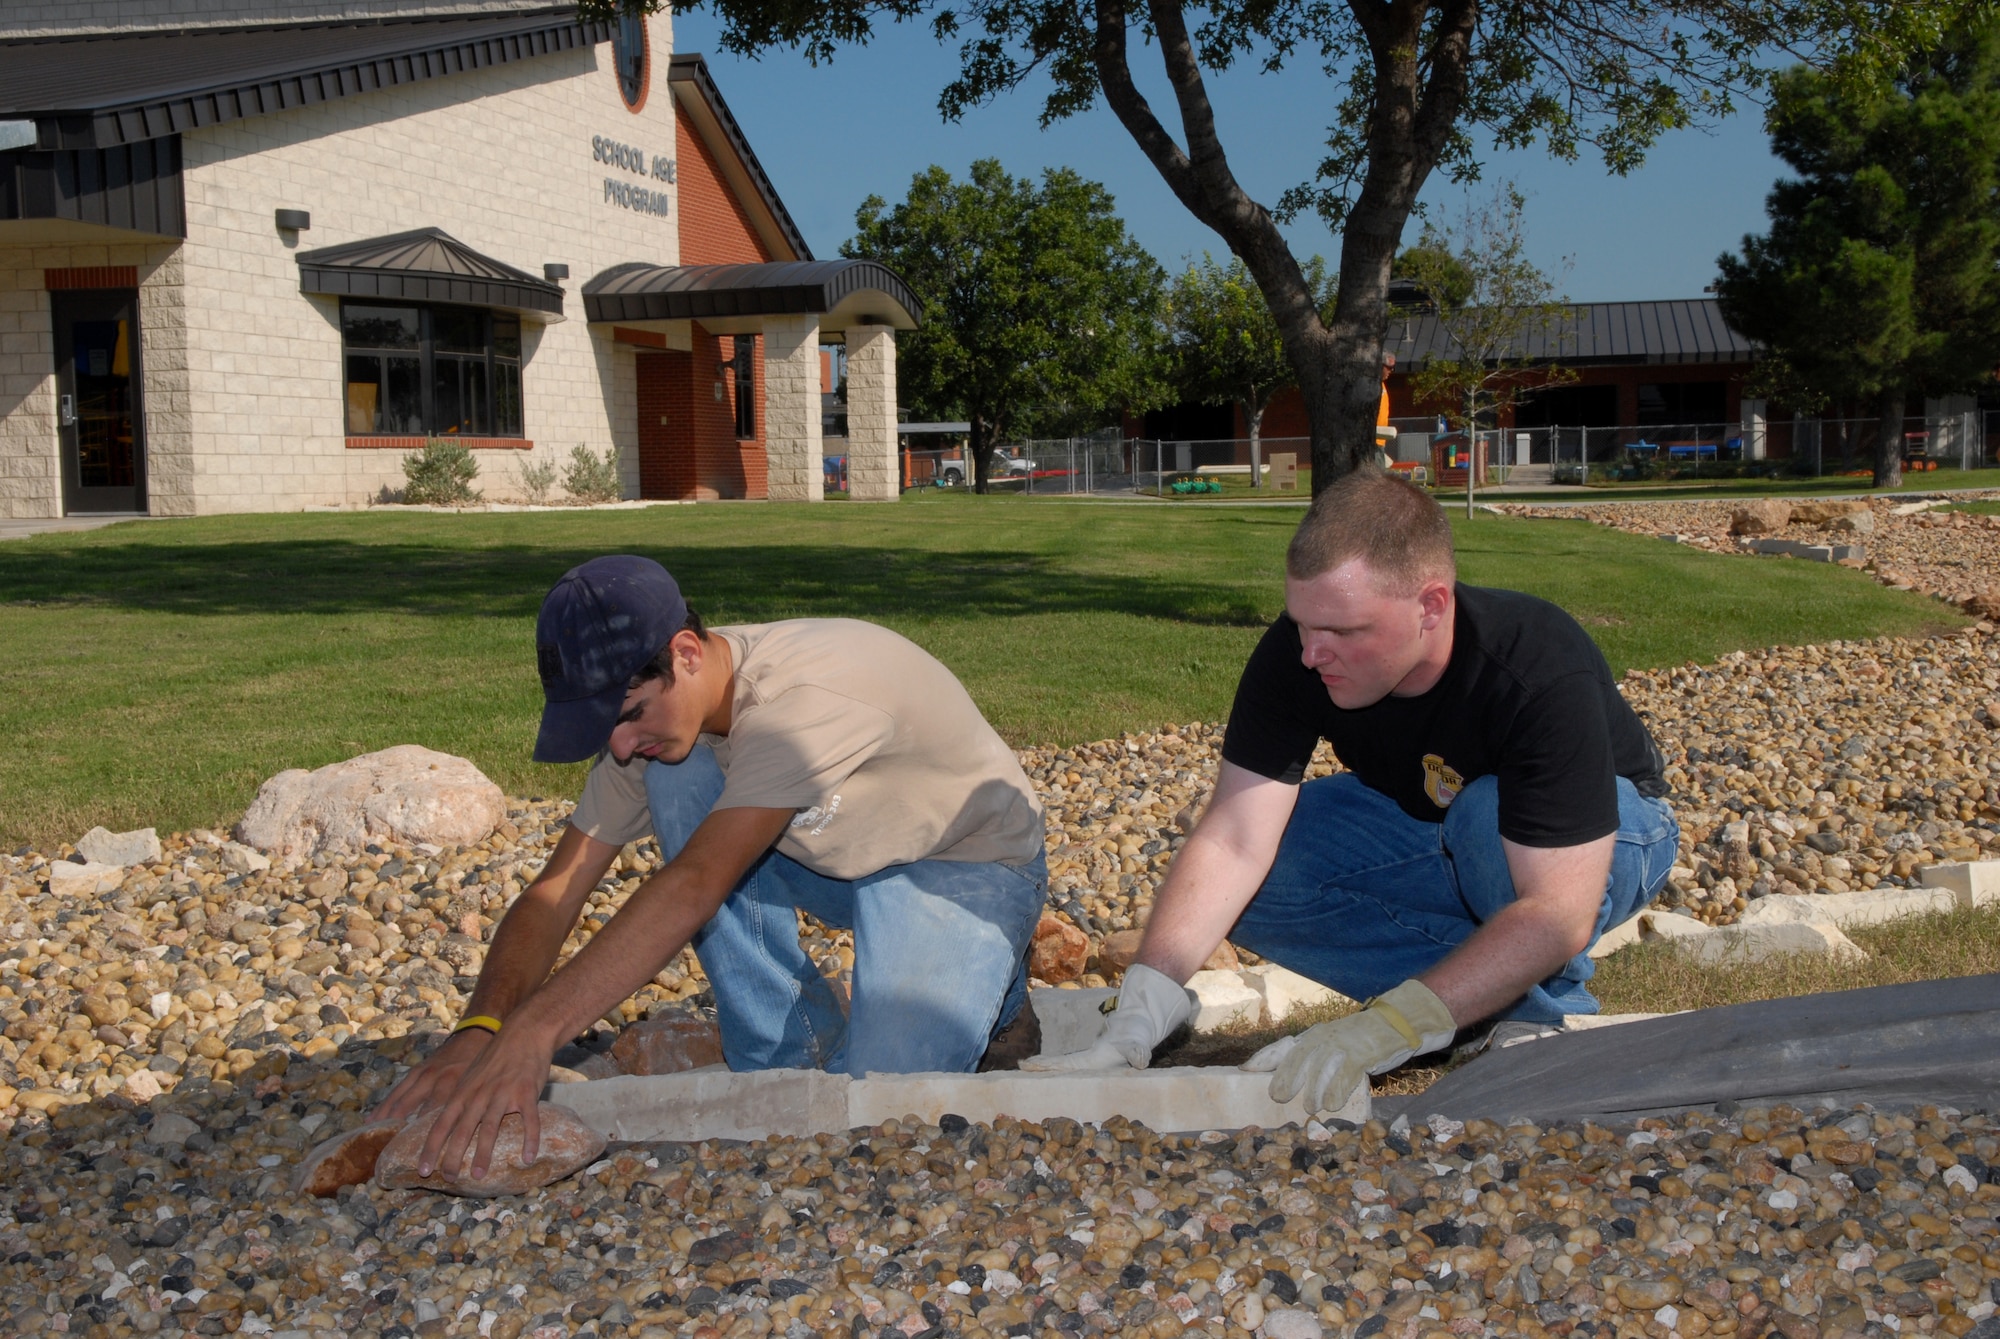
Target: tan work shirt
x=877, y=746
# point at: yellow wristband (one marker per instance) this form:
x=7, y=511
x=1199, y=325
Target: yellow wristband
x=1390, y=1014
x=479, y=1021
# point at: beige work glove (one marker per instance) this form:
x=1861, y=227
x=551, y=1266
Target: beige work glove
x=1150, y=1006
x=1329, y=1061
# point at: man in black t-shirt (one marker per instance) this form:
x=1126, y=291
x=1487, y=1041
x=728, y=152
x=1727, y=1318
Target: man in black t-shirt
x=1502, y=806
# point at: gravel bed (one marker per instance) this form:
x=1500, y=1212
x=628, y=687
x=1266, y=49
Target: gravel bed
x=168, y=1050
x=1809, y=769
x=1808, y=1225
x=1951, y=555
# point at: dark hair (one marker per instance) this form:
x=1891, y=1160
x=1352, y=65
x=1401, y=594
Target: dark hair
x=661, y=666
x=1395, y=527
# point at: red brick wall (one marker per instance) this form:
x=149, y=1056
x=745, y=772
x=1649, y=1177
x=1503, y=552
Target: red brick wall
x=715, y=228
x=688, y=446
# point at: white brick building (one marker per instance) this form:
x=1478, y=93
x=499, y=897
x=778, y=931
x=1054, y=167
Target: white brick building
x=253, y=251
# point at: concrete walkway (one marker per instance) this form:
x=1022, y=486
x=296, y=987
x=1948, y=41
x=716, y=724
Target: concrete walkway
x=21, y=529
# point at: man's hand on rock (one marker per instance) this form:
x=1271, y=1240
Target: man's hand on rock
x=505, y=1079
x=436, y=1078
x=1330, y=1062
x=1150, y=1006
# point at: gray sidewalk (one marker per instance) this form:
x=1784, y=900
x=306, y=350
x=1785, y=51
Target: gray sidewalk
x=21, y=529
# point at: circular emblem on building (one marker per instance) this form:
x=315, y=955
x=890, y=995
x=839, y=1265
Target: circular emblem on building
x=631, y=59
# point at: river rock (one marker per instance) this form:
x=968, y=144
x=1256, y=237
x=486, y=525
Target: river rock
x=567, y=1144
x=403, y=794
x=1292, y=1325
x=241, y=859
x=669, y=1043
x=1060, y=951
x=102, y=846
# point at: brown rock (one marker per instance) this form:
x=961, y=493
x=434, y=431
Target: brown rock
x=344, y=1160
x=1060, y=951
x=1854, y=523
x=567, y=1144
x=669, y=1043
x=105, y=1009
x=1825, y=513
x=1120, y=948
x=1224, y=959
x=1986, y=604
x=1764, y=517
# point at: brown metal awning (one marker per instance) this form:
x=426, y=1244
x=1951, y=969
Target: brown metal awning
x=840, y=292
x=427, y=265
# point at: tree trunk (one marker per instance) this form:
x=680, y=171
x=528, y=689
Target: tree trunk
x=1253, y=414
x=976, y=443
x=1420, y=82
x=1846, y=434
x=1889, y=408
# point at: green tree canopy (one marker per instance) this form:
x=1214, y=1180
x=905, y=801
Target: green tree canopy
x=1413, y=84
x=1037, y=305
x=1878, y=277
x=1226, y=345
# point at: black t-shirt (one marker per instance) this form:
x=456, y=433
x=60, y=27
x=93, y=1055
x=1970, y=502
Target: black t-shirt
x=1527, y=696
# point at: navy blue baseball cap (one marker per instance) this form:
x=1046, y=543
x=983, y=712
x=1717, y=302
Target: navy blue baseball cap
x=598, y=627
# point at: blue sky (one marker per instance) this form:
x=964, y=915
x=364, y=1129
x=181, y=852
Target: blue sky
x=872, y=123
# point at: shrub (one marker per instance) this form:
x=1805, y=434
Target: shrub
x=590, y=478
x=441, y=474
x=537, y=480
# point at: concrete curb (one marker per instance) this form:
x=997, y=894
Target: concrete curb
x=716, y=1104
x=1767, y=926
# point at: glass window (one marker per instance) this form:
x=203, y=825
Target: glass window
x=432, y=370
x=629, y=56
x=743, y=363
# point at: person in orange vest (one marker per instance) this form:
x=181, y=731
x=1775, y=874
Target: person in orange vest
x=1385, y=435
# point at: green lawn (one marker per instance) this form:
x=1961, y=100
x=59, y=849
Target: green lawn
x=155, y=673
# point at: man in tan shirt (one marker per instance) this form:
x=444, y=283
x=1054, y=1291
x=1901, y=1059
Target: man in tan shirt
x=823, y=765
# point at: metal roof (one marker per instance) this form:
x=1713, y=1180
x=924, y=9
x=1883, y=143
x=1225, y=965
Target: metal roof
x=642, y=292
x=687, y=70
x=120, y=88
x=425, y=265
x=1677, y=331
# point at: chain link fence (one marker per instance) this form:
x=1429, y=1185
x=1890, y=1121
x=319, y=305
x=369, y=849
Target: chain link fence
x=1431, y=453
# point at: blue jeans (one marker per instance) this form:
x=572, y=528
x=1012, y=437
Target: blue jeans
x=1363, y=897
x=940, y=950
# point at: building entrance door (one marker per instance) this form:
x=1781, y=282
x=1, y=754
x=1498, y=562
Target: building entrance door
x=98, y=410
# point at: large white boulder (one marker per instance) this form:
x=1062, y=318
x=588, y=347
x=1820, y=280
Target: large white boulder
x=403, y=794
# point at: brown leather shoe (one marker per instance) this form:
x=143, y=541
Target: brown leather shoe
x=1015, y=1042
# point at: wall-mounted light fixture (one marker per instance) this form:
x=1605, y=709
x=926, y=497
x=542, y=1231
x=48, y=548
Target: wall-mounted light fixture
x=555, y=272
x=294, y=220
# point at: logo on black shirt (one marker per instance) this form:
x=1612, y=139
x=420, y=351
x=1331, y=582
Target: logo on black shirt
x=1441, y=783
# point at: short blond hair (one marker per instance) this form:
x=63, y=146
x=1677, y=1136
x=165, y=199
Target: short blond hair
x=1395, y=527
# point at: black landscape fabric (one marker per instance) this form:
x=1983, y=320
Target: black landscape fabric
x=1892, y=1046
